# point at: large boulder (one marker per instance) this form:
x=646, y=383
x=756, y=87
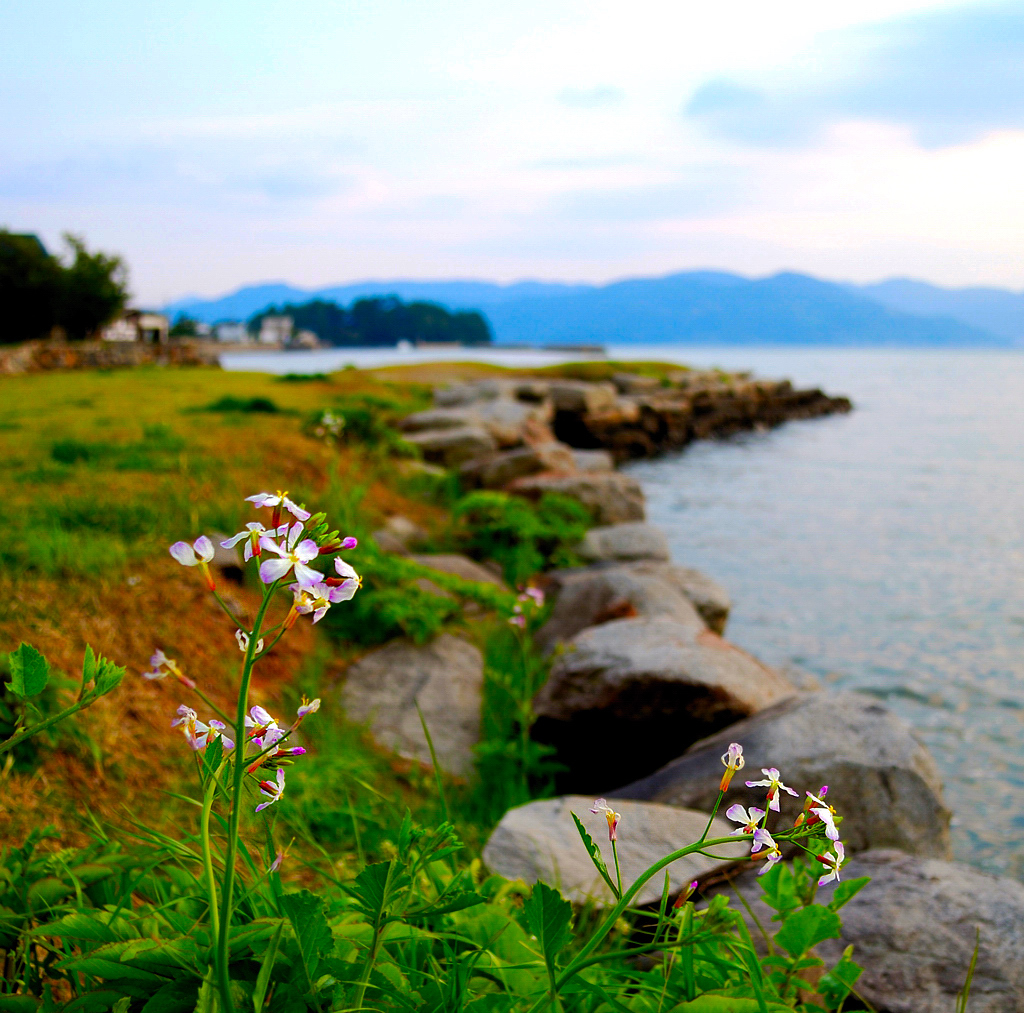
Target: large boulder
x=615, y=542
x=437, y=418
x=880, y=778
x=459, y=566
x=497, y=470
x=512, y=422
x=397, y=534
x=709, y=598
x=913, y=929
x=610, y=496
x=593, y=460
x=445, y=677
x=625, y=695
x=584, y=398
x=595, y=595
x=451, y=447
x=539, y=841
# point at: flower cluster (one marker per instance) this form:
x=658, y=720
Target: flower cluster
x=753, y=821
x=530, y=599
x=329, y=427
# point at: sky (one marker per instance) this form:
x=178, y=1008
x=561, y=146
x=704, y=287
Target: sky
x=316, y=142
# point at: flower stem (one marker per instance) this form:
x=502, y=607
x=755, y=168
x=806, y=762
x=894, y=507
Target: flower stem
x=714, y=813
x=211, y=880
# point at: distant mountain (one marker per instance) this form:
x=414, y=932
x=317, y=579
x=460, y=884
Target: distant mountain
x=991, y=309
x=712, y=307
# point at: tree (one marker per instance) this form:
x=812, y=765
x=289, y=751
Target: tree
x=38, y=292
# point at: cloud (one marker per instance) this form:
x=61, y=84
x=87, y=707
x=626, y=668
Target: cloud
x=591, y=98
x=948, y=75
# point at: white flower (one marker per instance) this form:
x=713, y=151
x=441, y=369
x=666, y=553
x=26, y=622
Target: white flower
x=833, y=863
x=826, y=814
x=252, y=535
x=602, y=806
x=198, y=733
x=243, y=642
x=763, y=839
x=750, y=819
x=199, y=553
x=293, y=553
x=319, y=597
x=263, y=726
x=279, y=499
x=308, y=707
x=733, y=761
x=774, y=785
x=272, y=789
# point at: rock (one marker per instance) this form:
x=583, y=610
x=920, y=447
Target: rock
x=539, y=841
x=445, y=676
x=437, y=418
x=591, y=596
x=633, y=383
x=913, y=928
x=624, y=695
x=397, y=534
x=593, y=460
x=581, y=397
x=881, y=779
x=498, y=470
x=610, y=496
x=709, y=598
x=451, y=447
x=455, y=395
x=225, y=558
x=459, y=566
x=629, y=541
x=511, y=422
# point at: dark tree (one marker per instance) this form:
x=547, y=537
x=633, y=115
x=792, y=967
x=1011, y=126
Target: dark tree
x=184, y=327
x=94, y=290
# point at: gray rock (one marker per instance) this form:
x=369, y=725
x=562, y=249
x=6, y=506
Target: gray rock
x=709, y=598
x=511, y=422
x=498, y=470
x=629, y=541
x=459, y=566
x=445, y=676
x=397, y=534
x=593, y=460
x=913, y=930
x=438, y=418
x=539, y=841
x=451, y=447
x=455, y=395
x=226, y=559
x=625, y=695
x=610, y=496
x=589, y=597
x=881, y=779
x=633, y=383
x=585, y=398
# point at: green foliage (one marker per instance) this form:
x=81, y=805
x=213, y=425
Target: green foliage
x=158, y=450
x=30, y=671
x=229, y=403
x=524, y=538
x=93, y=290
x=304, y=378
x=365, y=420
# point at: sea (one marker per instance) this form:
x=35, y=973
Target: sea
x=882, y=551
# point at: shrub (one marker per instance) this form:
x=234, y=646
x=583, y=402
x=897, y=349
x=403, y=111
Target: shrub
x=228, y=403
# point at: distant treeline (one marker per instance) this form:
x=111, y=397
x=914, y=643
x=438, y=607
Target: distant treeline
x=381, y=321
x=39, y=292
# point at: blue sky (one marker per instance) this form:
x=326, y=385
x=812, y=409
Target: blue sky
x=320, y=142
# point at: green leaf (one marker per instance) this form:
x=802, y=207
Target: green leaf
x=806, y=928
x=108, y=676
x=18, y=1004
x=548, y=915
x=779, y=889
x=726, y=1004
x=122, y=1004
x=375, y=888
x=306, y=913
x=174, y=997
x=835, y=985
x=595, y=855
x=456, y=902
x=259, y=993
x=846, y=890
x=30, y=671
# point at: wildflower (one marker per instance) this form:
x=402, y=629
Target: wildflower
x=293, y=553
x=308, y=707
x=602, y=806
x=772, y=854
x=733, y=761
x=338, y=545
x=199, y=553
x=272, y=789
x=773, y=784
x=518, y=619
x=254, y=531
x=750, y=819
x=349, y=542
x=534, y=595
x=243, y=642
x=345, y=574
x=277, y=500
x=686, y=893
x=319, y=597
x=261, y=723
x=826, y=814
x=199, y=734
x=833, y=863
x=162, y=666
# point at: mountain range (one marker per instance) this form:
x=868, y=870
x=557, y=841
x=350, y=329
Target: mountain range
x=692, y=307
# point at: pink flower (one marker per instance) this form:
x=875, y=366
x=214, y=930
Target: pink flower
x=826, y=814
x=253, y=533
x=162, y=666
x=763, y=839
x=277, y=500
x=199, y=734
x=750, y=819
x=293, y=553
x=602, y=806
x=319, y=597
x=774, y=785
x=349, y=542
x=833, y=863
x=308, y=707
x=272, y=789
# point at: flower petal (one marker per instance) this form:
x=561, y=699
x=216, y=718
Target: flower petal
x=273, y=569
x=204, y=548
x=183, y=553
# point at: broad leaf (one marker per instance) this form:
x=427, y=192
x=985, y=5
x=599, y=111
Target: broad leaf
x=835, y=985
x=779, y=889
x=375, y=888
x=174, y=997
x=306, y=913
x=806, y=928
x=595, y=855
x=30, y=671
x=548, y=915
x=846, y=890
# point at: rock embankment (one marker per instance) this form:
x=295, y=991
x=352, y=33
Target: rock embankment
x=39, y=356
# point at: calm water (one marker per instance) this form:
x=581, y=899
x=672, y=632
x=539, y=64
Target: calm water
x=882, y=551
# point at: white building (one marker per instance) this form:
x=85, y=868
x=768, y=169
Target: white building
x=276, y=330
x=137, y=325
x=231, y=331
